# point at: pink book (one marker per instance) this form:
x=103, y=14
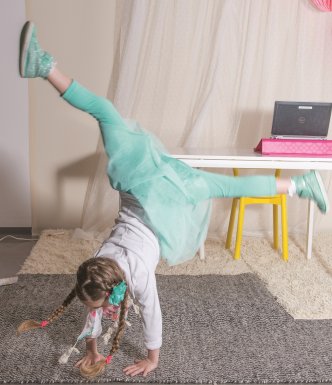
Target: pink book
x=295, y=147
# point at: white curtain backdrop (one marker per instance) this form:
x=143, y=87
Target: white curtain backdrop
x=206, y=73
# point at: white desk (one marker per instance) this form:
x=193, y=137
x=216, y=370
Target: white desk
x=231, y=158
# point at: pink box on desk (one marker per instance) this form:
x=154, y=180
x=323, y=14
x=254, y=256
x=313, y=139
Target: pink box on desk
x=295, y=147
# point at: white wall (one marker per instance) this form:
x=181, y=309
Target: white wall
x=79, y=34
x=15, y=197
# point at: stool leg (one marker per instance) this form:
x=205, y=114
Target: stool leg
x=284, y=227
x=231, y=224
x=239, y=229
x=275, y=227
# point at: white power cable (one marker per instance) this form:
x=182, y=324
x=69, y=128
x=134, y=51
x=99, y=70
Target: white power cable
x=18, y=238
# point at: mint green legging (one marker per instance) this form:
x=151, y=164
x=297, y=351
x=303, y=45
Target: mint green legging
x=203, y=185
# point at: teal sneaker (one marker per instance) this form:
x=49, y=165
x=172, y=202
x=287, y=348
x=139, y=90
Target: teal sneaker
x=34, y=62
x=311, y=186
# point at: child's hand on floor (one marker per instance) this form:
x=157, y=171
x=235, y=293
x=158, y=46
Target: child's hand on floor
x=141, y=366
x=144, y=366
x=89, y=359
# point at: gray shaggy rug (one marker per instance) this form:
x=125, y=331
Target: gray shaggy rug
x=217, y=329
x=302, y=286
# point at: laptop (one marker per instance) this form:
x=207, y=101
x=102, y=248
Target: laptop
x=301, y=120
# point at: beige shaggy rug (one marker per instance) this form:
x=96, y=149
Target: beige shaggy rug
x=303, y=287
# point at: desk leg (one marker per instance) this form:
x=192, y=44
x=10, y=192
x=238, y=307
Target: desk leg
x=202, y=248
x=202, y=252
x=310, y=227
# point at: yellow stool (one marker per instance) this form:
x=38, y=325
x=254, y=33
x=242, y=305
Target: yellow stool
x=276, y=200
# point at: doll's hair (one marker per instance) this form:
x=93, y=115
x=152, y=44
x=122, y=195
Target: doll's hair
x=95, y=276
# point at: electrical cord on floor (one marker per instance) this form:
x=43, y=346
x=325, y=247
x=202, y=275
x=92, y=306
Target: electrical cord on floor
x=18, y=238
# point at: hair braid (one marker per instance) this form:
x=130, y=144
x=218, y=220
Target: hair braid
x=121, y=327
x=96, y=369
x=61, y=309
x=32, y=324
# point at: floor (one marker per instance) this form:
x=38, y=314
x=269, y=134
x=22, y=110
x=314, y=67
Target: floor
x=13, y=252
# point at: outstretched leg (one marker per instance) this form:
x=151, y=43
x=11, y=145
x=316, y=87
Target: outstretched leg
x=213, y=185
x=34, y=62
x=210, y=185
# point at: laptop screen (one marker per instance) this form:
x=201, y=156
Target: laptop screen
x=302, y=119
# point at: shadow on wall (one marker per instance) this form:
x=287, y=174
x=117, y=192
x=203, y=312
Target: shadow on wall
x=101, y=203
x=82, y=168
x=253, y=125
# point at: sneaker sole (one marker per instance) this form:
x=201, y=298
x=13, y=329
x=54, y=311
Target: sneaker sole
x=24, y=45
x=323, y=191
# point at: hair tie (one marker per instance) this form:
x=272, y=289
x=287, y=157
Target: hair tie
x=44, y=323
x=118, y=293
x=109, y=359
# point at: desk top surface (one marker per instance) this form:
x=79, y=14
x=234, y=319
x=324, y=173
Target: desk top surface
x=241, y=154
x=247, y=158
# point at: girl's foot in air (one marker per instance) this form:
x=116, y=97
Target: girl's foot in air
x=34, y=62
x=311, y=186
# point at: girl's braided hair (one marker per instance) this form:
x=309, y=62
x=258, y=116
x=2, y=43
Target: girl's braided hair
x=32, y=324
x=95, y=276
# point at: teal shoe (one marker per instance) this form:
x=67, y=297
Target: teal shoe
x=311, y=186
x=34, y=62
